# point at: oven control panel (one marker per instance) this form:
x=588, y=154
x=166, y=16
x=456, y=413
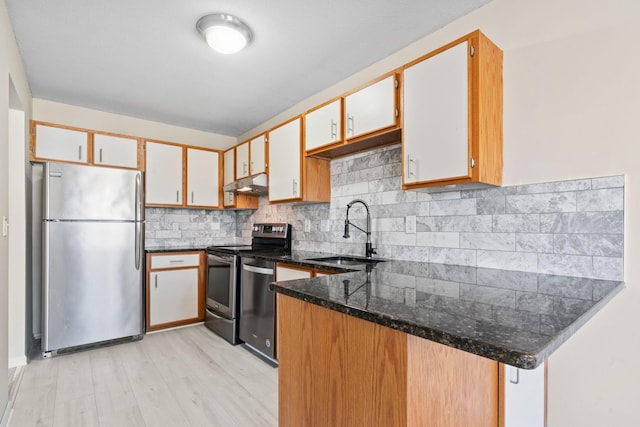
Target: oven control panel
x=271, y=230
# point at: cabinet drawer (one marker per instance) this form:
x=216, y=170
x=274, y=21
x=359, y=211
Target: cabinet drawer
x=174, y=261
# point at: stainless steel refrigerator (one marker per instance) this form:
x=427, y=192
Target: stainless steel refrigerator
x=92, y=257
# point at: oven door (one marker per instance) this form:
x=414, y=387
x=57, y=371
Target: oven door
x=222, y=284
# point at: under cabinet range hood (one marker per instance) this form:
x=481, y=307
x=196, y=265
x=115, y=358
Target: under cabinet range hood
x=254, y=185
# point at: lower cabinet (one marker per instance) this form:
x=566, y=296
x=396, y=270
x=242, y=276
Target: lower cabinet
x=398, y=380
x=523, y=396
x=175, y=289
x=294, y=272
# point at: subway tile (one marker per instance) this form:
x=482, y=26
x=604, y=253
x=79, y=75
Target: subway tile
x=534, y=242
x=494, y=296
x=475, y=223
x=519, y=261
x=534, y=302
x=565, y=286
x=438, y=239
x=608, y=182
x=515, y=280
x=610, y=199
x=491, y=241
x=572, y=244
x=453, y=207
x=458, y=273
x=398, y=196
x=608, y=268
x=517, y=223
x=567, y=265
x=541, y=203
x=555, y=187
x=571, y=306
x=583, y=222
x=607, y=245
x=438, y=287
x=453, y=256
x=491, y=205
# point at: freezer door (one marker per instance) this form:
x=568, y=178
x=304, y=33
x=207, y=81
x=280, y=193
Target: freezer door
x=92, y=290
x=77, y=192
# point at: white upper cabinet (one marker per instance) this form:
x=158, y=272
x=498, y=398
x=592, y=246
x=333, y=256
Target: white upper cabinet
x=229, y=160
x=242, y=160
x=203, y=186
x=372, y=108
x=163, y=176
x=452, y=116
x=56, y=143
x=284, y=162
x=323, y=126
x=436, y=117
x=257, y=157
x=109, y=150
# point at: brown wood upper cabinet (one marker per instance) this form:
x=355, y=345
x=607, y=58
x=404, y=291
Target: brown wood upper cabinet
x=452, y=115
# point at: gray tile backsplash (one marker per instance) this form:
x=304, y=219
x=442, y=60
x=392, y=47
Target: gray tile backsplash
x=573, y=228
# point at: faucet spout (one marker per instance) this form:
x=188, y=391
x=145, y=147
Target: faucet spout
x=369, y=249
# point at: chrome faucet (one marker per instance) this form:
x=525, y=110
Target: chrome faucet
x=369, y=249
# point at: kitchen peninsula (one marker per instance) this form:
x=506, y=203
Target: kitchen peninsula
x=414, y=344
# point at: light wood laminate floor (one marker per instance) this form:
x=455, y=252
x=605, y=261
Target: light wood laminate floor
x=181, y=377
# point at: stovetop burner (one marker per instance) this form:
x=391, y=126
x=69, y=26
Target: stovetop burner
x=271, y=238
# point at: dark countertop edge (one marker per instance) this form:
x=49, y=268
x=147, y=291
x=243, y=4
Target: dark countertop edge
x=175, y=249
x=518, y=359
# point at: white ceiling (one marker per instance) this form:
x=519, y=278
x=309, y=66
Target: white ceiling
x=145, y=59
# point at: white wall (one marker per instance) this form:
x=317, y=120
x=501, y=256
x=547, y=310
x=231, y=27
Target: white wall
x=71, y=115
x=571, y=110
x=11, y=69
x=17, y=237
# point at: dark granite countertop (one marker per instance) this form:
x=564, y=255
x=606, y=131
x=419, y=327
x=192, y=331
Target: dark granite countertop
x=513, y=317
x=160, y=249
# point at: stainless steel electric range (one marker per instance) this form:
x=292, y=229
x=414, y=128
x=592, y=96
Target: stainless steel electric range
x=240, y=305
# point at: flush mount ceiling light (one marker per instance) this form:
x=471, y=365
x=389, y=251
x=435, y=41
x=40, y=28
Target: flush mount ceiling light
x=224, y=33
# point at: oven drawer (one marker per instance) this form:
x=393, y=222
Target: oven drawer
x=174, y=261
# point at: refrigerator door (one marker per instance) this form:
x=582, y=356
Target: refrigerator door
x=92, y=290
x=77, y=192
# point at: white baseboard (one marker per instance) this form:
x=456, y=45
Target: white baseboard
x=17, y=361
x=4, y=422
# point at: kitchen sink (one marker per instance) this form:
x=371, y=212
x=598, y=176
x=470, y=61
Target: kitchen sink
x=346, y=260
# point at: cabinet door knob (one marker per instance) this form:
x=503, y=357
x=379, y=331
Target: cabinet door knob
x=79, y=152
x=350, y=124
x=101, y=155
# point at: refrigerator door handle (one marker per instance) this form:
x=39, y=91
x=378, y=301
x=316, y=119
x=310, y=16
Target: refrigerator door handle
x=138, y=237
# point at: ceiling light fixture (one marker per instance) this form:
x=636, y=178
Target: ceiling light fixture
x=224, y=33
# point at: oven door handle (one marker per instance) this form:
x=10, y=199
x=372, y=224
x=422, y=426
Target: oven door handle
x=258, y=270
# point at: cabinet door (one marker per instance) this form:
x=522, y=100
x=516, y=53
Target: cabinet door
x=436, y=123
x=257, y=155
x=163, y=175
x=524, y=397
x=61, y=144
x=323, y=126
x=203, y=186
x=285, y=273
x=284, y=162
x=111, y=150
x=229, y=160
x=372, y=108
x=173, y=295
x=242, y=160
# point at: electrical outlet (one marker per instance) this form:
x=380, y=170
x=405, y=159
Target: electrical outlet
x=215, y=226
x=5, y=226
x=307, y=226
x=410, y=224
